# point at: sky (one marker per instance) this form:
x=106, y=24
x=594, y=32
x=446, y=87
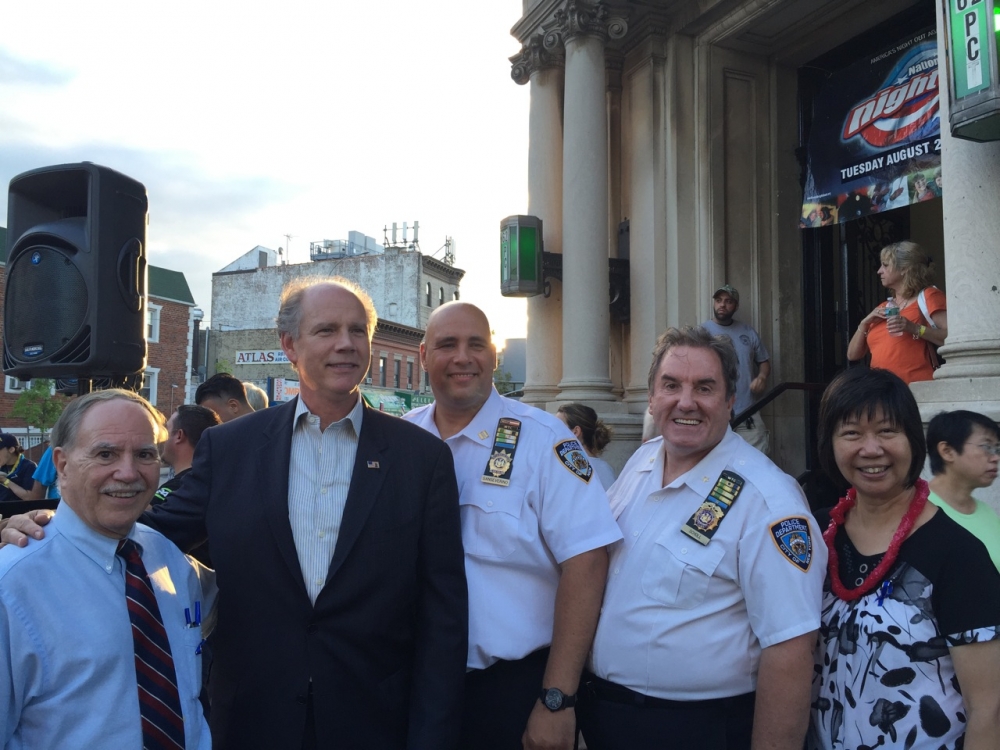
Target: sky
x=250, y=121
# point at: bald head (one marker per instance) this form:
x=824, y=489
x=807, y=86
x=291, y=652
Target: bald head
x=459, y=357
x=466, y=312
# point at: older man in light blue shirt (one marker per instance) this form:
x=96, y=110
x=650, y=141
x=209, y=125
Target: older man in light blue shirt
x=69, y=652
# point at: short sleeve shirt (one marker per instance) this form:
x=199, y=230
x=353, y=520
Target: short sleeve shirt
x=983, y=522
x=903, y=355
x=750, y=351
x=686, y=621
x=46, y=473
x=517, y=536
x=884, y=674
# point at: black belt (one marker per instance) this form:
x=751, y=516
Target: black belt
x=604, y=690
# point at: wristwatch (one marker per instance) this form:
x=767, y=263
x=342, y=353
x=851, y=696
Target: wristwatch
x=555, y=699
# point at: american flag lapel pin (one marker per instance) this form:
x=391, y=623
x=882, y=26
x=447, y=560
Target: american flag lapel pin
x=373, y=464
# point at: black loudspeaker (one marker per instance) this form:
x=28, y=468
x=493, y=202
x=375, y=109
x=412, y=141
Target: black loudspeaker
x=75, y=293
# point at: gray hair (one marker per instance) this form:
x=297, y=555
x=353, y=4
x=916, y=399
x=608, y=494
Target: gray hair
x=913, y=262
x=699, y=338
x=290, y=310
x=255, y=396
x=68, y=425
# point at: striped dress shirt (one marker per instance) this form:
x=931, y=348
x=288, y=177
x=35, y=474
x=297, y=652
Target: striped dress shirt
x=319, y=477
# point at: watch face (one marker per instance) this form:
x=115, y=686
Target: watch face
x=553, y=699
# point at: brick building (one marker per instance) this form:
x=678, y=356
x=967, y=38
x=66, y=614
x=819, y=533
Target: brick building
x=171, y=313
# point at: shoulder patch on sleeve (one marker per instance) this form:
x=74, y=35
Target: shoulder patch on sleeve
x=573, y=457
x=791, y=537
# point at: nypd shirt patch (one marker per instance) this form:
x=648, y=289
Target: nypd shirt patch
x=791, y=537
x=574, y=458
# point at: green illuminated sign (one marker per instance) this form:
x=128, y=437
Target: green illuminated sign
x=970, y=31
x=521, y=256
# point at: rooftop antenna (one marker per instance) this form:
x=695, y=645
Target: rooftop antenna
x=288, y=246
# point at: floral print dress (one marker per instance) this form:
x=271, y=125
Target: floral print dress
x=884, y=675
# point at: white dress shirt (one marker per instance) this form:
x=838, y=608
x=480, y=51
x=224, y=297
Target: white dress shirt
x=516, y=537
x=319, y=477
x=684, y=621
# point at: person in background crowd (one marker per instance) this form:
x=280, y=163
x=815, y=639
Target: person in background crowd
x=46, y=478
x=17, y=471
x=95, y=648
x=336, y=534
x=184, y=430
x=754, y=362
x=706, y=635
x=225, y=395
x=255, y=396
x=535, y=525
x=964, y=450
x=593, y=434
x=905, y=344
x=908, y=654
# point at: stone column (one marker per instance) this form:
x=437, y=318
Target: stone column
x=543, y=68
x=970, y=204
x=584, y=28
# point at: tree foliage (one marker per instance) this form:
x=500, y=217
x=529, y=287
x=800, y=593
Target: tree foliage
x=503, y=381
x=38, y=406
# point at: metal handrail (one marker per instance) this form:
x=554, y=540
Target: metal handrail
x=771, y=395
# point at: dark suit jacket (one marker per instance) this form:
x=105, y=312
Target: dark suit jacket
x=385, y=645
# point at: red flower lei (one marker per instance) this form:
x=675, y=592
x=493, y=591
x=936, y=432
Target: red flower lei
x=837, y=518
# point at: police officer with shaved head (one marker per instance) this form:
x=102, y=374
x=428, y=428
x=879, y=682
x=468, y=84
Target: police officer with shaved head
x=535, y=524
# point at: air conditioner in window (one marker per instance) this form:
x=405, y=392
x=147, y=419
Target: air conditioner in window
x=368, y=381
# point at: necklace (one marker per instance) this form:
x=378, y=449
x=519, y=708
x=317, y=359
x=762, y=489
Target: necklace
x=837, y=517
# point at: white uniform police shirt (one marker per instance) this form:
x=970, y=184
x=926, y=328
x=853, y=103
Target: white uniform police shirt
x=516, y=537
x=686, y=621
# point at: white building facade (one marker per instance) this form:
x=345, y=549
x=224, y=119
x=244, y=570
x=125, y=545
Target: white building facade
x=682, y=124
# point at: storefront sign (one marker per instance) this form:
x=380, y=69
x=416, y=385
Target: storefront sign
x=875, y=143
x=261, y=357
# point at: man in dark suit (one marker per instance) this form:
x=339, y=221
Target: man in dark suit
x=335, y=531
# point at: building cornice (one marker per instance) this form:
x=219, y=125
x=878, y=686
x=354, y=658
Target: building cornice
x=441, y=270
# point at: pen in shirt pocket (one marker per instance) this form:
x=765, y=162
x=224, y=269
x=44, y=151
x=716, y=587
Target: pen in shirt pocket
x=196, y=622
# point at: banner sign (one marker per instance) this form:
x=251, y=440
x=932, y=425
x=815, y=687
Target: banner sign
x=875, y=143
x=285, y=389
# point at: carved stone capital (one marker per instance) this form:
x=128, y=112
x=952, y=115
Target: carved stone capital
x=534, y=56
x=583, y=18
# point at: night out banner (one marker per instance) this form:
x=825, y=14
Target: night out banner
x=875, y=143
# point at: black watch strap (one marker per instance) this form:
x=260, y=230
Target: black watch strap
x=555, y=699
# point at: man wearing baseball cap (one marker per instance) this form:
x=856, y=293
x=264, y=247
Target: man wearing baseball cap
x=755, y=365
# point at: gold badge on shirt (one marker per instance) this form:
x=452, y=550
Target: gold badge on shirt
x=501, y=462
x=706, y=520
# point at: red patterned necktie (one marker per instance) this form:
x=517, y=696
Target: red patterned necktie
x=159, y=702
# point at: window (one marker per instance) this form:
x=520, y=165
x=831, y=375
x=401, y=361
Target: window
x=409, y=376
x=382, y=367
x=429, y=294
x=153, y=322
x=395, y=373
x=440, y=296
x=14, y=385
x=149, y=378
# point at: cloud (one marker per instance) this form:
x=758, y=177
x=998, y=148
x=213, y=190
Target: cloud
x=15, y=71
